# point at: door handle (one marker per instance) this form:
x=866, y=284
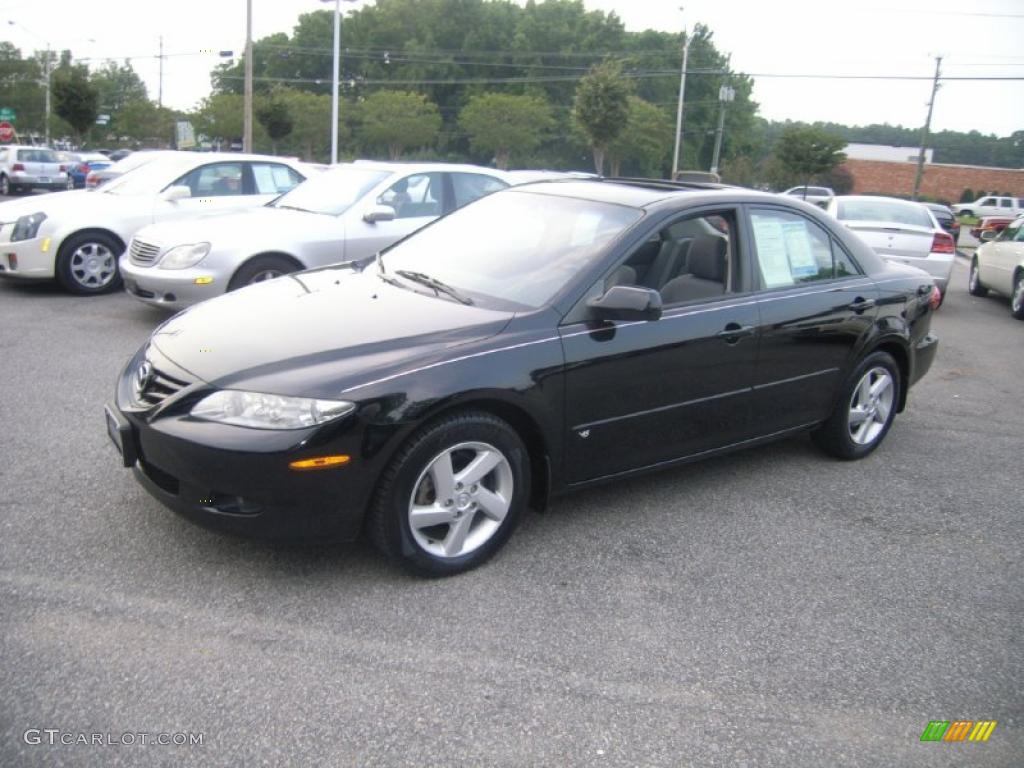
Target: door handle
x=733, y=332
x=860, y=304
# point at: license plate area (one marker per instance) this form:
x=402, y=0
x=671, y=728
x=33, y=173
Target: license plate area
x=121, y=435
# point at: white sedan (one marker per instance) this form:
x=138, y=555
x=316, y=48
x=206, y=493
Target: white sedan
x=78, y=236
x=998, y=265
x=899, y=231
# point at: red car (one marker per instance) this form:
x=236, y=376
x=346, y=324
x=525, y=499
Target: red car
x=995, y=223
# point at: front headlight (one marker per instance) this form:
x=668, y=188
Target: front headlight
x=254, y=409
x=27, y=227
x=184, y=256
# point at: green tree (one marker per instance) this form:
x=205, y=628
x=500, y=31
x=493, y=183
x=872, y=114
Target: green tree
x=276, y=119
x=145, y=123
x=311, y=133
x=967, y=196
x=505, y=124
x=601, y=107
x=644, y=145
x=806, y=151
x=220, y=117
x=397, y=120
x=75, y=99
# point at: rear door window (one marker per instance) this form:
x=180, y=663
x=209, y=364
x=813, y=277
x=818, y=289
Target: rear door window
x=274, y=178
x=472, y=186
x=792, y=250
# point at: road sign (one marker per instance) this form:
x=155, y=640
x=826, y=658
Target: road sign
x=7, y=114
x=6, y=131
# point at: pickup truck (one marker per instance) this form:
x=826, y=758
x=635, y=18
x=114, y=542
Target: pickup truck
x=992, y=205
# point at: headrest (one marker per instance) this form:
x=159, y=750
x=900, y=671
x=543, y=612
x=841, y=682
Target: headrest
x=706, y=258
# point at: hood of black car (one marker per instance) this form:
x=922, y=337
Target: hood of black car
x=315, y=333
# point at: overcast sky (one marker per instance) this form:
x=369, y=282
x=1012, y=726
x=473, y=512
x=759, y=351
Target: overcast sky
x=781, y=37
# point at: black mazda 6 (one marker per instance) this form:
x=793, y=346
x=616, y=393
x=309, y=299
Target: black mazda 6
x=539, y=340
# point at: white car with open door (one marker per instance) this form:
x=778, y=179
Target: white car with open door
x=347, y=213
x=899, y=231
x=78, y=236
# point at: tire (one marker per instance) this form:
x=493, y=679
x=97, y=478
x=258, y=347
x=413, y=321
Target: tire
x=260, y=269
x=966, y=212
x=70, y=184
x=87, y=263
x=5, y=186
x=475, y=519
x=1017, y=297
x=863, y=391
x=974, y=286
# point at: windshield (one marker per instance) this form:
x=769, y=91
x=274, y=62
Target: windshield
x=517, y=246
x=895, y=211
x=150, y=178
x=332, y=192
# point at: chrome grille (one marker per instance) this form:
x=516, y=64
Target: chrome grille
x=152, y=386
x=142, y=253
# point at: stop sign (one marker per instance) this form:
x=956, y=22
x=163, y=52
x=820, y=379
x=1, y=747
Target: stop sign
x=6, y=132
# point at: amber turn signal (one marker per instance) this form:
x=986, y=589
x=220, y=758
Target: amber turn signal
x=321, y=462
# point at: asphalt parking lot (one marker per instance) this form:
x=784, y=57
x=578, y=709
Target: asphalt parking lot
x=769, y=608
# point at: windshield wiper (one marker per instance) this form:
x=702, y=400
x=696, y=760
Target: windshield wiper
x=295, y=208
x=432, y=282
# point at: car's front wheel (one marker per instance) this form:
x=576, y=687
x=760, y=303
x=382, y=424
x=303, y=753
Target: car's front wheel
x=865, y=410
x=1017, y=297
x=5, y=187
x=452, y=496
x=974, y=286
x=260, y=269
x=87, y=263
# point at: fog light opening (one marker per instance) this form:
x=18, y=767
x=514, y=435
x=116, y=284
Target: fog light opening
x=320, y=462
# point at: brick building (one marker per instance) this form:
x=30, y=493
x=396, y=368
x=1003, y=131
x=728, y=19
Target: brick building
x=940, y=182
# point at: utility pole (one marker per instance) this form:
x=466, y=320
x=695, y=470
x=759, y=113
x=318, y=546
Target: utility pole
x=725, y=95
x=679, y=108
x=334, y=84
x=247, y=130
x=49, y=75
x=927, y=128
x=160, y=93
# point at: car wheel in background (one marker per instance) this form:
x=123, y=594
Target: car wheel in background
x=87, y=263
x=1017, y=297
x=452, y=496
x=865, y=410
x=5, y=186
x=974, y=286
x=260, y=269
x=70, y=184
x=966, y=212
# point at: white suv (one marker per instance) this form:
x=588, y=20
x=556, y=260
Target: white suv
x=991, y=206
x=816, y=195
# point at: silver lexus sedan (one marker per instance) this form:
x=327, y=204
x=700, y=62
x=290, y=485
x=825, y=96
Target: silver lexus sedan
x=344, y=214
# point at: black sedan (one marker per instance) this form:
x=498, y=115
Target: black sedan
x=539, y=340
x=946, y=218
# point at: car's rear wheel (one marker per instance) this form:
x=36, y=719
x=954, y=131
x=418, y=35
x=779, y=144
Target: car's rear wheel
x=70, y=183
x=87, y=263
x=6, y=188
x=1017, y=297
x=261, y=269
x=966, y=212
x=865, y=410
x=974, y=286
x=452, y=496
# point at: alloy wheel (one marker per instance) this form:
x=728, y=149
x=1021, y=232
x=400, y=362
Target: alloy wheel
x=973, y=279
x=460, y=499
x=93, y=265
x=1017, y=301
x=871, y=405
x=266, y=274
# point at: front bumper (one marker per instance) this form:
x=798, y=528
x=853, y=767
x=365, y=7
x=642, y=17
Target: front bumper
x=237, y=480
x=169, y=288
x=32, y=259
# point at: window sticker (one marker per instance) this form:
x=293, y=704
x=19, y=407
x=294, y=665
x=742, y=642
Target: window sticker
x=798, y=248
x=771, y=251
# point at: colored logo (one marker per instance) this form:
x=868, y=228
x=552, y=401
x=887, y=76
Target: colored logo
x=958, y=730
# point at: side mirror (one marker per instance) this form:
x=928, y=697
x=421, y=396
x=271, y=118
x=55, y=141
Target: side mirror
x=625, y=302
x=177, y=192
x=987, y=235
x=379, y=213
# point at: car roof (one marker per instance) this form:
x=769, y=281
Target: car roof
x=397, y=167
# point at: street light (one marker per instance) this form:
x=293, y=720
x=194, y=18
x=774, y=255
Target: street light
x=679, y=109
x=725, y=94
x=334, y=83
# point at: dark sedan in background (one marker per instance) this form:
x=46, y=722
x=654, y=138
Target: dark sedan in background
x=541, y=339
x=946, y=218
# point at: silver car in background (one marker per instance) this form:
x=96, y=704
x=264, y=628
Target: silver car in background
x=347, y=213
x=25, y=168
x=98, y=178
x=899, y=231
